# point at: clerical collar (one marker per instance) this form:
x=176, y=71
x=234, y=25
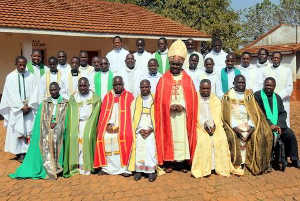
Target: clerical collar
x=205, y=99
x=146, y=97
x=74, y=73
x=84, y=95
x=193, y=70
x=229, y=69
x=37, y=65
x=275, y=67
x=259, y=65
x=153, y=74
x=164, y=52
x=130, y=70
x=53, y=72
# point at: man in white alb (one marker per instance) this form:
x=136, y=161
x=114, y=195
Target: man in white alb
x=142, y=57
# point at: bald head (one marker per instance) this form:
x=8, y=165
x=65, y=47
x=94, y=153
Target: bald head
x=130, y=61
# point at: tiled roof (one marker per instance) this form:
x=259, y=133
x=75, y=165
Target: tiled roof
x=90, y=16
x=291, y=47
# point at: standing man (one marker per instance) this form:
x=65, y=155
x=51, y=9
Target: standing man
x=175, y=112
x=117, y=55
x=85, y=69
x=114, y=133
x=143, y=155
x=217, y=54
x=18, y=107
x=248, y=133
x=161, y=55
x=72, y=77
x=101, y=78
x=209, y=73
x=63, y=66
x=190, y=45
x=254, y=77
x=142, y=56
x=36, y=66
x=83, y=112
x=273, y=107
x=153, y=76
x=284, y=81
x=227, y=75
x=262, y=61
x=212, y=150
x=193, y=71
x=44, y=159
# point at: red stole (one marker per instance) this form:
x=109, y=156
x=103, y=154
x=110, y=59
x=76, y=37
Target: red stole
x=163, y=129
x=125, y=127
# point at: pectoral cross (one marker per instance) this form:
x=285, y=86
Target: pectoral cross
x=175, y=88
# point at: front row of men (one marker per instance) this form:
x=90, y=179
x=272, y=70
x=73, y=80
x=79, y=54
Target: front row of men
x=177, y=127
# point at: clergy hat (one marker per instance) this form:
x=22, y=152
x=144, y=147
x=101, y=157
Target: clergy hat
x=177, y=48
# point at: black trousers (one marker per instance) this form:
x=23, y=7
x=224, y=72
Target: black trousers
x=291, y=146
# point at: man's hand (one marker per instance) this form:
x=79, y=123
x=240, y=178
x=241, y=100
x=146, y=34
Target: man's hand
x=52, y=125
x=210, y=131
x=173, y=108
x=179, y=108
x=109, y=128
x=276, y=128
x=26, y=109
x=237, y=130
x=145, y=133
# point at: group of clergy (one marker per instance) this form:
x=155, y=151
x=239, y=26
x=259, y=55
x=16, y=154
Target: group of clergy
x=150, y=115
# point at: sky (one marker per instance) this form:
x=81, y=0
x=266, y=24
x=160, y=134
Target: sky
x=241, y=4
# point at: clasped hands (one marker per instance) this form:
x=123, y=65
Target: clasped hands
x=26, y=109
x=112, y=129
x=239, y=132
x=176, y=108
x=276, y=128
x=145, y=132
x=210, y=130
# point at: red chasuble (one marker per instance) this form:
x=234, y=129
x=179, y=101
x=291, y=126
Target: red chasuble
x=163, y=129
x=125, y=127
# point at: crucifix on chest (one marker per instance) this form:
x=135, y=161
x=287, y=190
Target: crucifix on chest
x=175, y=88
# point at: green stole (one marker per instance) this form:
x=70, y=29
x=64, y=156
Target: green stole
x=89, y=138
x=31, y=69
x=97, y=82
x=159, y=61
x=60, y=99
x=272, y=116
x=224, y=78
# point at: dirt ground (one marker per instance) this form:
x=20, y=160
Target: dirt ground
x=176, y=186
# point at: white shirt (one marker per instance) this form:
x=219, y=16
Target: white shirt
x=71, y=83
x=131, y=79
x=194, y=74
x=231, y=76
x=64, y=69
x=86, y=109
x=213, y=77
x=86, y=71
x=254, y=77
x=141, y=61
x=153, y=81
x=219, y=59
x=116, y=59
x=104, y=82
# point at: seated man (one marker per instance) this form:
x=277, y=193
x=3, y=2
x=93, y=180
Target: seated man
x=83, y=112
x=272, y=106
x=114, y=133
x=212, y=150
x=143, y=156
x=248, y=133
x=44, y=159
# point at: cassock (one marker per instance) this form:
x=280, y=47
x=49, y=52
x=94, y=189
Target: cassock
x=101, y=82
x=219, y=59
x=213, y=77
x=83, y=112
x=187, y=60
x=71, y=83
x=225, y=80
x=254, y=77
x=287, y=136
x=141, y=60
x=44, y=159
x=153, y=81
x=284, y=85
x=143, y=155
x=113, y=149
x=194, y=74
x=162, y=60
x=131, y=79
x=64, y=69
x=86, y=71
x=116, y=59
x=241, y=110
x=175, y=133
x=47, y=79
x=212, y=152
x=18, y=89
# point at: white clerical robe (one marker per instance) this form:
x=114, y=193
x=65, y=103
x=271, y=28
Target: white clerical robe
x=71, y=83
x=104, y=83
x=145, y=148
x=131, y=79
x=153, y=81
x=194, y=74
x=254, y=77
x=178, y=123
x=64, y=69
x=164, y=56
x=141, y=61
x=116, y=59
x=213, y=77
x=187, y=58
x=85, y=111
x=111, y=140
x=17, y=91
x=47, y=79
x=231, y=75
x=284, y=85
x=240, y=119
x=86, y=71
x=219, y=59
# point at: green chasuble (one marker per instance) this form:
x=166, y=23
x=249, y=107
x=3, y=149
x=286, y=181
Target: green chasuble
x=161, y=70
x=71, y=155
x=31, y=69
x=97, y=82
x=44, y=158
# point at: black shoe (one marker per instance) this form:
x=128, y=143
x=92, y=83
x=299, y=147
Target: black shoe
x=152, y=177
x=125, y=175
x=21, y=158
x=137, y=176
x=296, y=163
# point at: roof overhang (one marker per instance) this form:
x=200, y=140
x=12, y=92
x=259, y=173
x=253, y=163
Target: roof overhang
x=94, y=35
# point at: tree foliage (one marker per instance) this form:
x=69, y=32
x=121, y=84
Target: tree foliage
x=214, y=16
